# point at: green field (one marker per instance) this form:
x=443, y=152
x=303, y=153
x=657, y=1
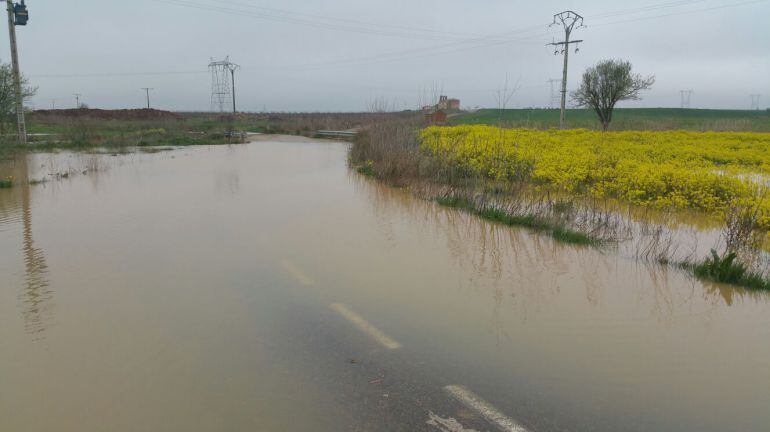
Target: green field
x=625, y=119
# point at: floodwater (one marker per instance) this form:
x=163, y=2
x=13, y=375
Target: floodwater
x=266, y=287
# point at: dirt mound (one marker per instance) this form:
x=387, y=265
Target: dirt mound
x=100, y=114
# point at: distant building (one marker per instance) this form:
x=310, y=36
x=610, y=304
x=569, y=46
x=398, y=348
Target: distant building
x=445, y=103
x=435, y=117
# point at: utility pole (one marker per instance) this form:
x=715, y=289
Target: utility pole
x=686, y=95
x=17, y=15
x=755, y=101
x=147, y=90
x=53, y=104
x=77, y=100
x=568, y=20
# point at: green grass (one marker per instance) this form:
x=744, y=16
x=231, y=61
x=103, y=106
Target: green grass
x=366, y=169
x=534, y=222
x=624, y=119
x=728, y=269
x=90, y=133
x=571, y=236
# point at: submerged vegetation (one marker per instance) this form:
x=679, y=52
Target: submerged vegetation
x=366, y=169
x=532, y=221
x=728, y=269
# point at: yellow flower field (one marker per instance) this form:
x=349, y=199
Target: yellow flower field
x=702, y=170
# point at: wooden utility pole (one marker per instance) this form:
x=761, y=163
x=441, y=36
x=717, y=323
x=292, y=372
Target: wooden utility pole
x=568, y=19
x=16, y=73
x=147, y=90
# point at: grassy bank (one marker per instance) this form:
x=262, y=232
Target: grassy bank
x=88, y=128
x=305, y=124
x=624, y=119
x=77, y=129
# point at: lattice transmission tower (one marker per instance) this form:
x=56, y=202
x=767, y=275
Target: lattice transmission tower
x=755, y=99
x=222, y=84
x=554, y=100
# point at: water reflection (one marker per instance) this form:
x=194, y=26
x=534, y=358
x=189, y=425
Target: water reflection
x=35, y=296
x=227, y=181
x=528, y=271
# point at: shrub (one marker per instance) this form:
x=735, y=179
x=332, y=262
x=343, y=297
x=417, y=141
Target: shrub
x=727, y=269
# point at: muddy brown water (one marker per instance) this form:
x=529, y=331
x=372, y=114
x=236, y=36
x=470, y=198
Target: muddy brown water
x=190, y=290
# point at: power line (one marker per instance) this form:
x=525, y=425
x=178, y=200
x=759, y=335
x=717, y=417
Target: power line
x=418, y=53
x=116, y=74
x=348, y=20
x=643, y=9
x=346, y=24
x=483, y=42
x=692, y=11
x=306, y=22
x=441, y=49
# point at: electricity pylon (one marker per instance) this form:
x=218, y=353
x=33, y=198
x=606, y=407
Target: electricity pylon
x=568, y=20
x=222, y=84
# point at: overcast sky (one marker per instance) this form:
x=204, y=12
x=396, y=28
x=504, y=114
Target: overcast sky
x=324, y=55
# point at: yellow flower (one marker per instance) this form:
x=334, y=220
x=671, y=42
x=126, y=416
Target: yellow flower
x=701, y=170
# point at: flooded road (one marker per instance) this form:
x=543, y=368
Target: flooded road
x=266, y=287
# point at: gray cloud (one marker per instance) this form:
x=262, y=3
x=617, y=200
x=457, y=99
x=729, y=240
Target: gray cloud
x=395, y=49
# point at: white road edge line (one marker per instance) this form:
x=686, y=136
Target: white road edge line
x=474, y=402
x=365, y=326
x=296, y=273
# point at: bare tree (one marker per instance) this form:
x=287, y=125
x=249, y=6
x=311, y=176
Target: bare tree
x=429, y=95
x=605, y=84
x=380, y=104
x=503, y=96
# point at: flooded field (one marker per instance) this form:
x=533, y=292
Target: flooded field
x=267, y=287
